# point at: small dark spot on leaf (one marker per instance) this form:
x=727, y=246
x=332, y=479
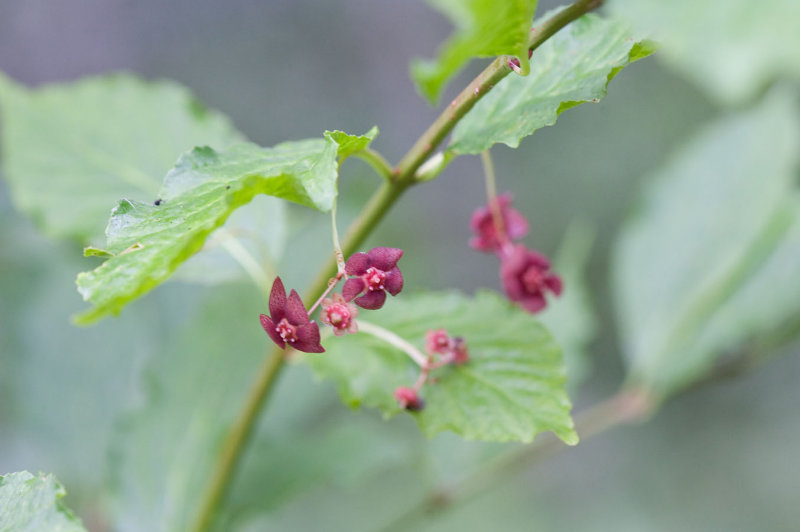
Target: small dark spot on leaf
x=228, y=187
x=157, y=202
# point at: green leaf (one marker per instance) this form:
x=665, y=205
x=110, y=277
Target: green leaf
x=149, y=241
x=31, y=504
x=350, y=144
x=570, y=317
x=715, y=225
x=731, y=48
x=484, y=28
x=572, y=67
x=511, y=389
x=70, y=150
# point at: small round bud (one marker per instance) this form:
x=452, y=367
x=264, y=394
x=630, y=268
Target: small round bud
x=408, y=399
x=437, y=341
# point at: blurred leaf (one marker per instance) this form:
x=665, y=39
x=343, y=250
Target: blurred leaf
x=31, y=504
x=511, y=389
x=484, y=28
x=714, y=225
x=572, y=67
x=364, y=507
x=340, y=452
x=251, y=243
x=731, y=48
x=64, y=388
x=767, y=301
x=162, y=452
x=570, y=317
x=149, y=241
x=71, y=150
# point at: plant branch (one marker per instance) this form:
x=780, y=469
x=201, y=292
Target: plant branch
x=391, y=338
x=491, y=198
x=230, y=454
x=478, y=87
x=399, y=179
x=337, y=247
x=332, y=282
x=376, y=161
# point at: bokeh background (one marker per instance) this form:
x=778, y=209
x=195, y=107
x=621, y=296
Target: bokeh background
x=723, y=457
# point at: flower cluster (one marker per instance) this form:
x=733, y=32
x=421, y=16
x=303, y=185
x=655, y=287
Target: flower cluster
x=525, y=274
x=371, y=274
x=442, y=349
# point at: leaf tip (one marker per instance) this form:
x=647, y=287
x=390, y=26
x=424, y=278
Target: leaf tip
x=96, y=252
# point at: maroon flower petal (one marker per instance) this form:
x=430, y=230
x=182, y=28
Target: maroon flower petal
x=487, y=238
x=394, y=281
x=372, y=300
x=269, y=327
x=516, y=224
x=517, y=259
x=553, y=282
x=385, y=258
x=504, y=200
x=295, y=310
x=478, y=244
x=534, y=303
x=353, y=287
x=308, y=338
x=537, y=259
x=357, y=264
x=510, y=270
x=277, y=300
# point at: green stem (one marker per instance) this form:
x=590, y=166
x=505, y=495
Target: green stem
x=376, y=161
x=491, y=197
x=399, y=179
x=478, y=87
x=230, y=454
x=239, y=434
x=391, y=338
x=337, y=247
x=460, y=106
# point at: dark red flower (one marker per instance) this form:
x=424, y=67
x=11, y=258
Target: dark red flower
x=375, y=273
x=487, y=238
x=452, y=350
x=437, y=341
x=526, y=276
x=459, y=354
x=288, y=322
x=409, y=399
x=339, y=314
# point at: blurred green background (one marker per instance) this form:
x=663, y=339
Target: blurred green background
x=720, y=458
